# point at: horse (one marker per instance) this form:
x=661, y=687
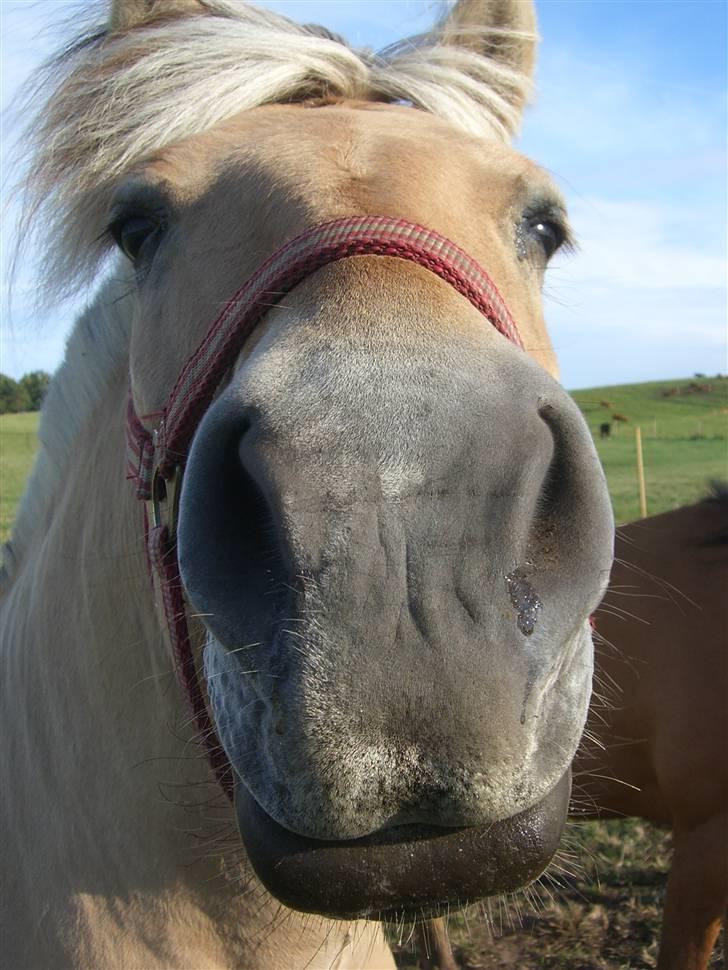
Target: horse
x=325, y=659
x=657, y=747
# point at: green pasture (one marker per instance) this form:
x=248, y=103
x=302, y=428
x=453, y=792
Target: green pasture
x=18, y=440
x=684, y=440
x=684, y=426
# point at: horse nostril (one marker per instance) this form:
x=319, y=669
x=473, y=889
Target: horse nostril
x=253, y=532
x=555, y=479
x=572, y=488
x=246, y=423
x=243, y=583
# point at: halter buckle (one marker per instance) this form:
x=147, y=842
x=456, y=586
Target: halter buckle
x=164, y=504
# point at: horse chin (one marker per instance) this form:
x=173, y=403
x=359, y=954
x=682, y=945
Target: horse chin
x=404, y=871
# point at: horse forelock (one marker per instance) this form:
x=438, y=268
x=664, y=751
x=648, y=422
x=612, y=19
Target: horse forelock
x=115, y=98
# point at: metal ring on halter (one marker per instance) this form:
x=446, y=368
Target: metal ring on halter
x=164, y=504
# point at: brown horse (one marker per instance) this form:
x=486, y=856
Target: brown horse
x=662, y=660
x=377, y=524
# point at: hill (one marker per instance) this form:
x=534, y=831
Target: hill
x=678, y=408
x=684, y=426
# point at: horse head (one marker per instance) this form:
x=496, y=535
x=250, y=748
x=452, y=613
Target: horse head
x=392, y=519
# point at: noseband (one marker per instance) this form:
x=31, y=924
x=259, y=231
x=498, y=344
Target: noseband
x=156, y=459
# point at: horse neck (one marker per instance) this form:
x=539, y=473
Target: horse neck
x=96, y=721
x=116, y=812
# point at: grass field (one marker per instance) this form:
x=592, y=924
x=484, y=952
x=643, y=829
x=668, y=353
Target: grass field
x=684, y=440
x=17, y=449
x=604, y=912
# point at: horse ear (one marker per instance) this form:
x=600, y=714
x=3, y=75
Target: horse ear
x=502, y=30
x=125, y=14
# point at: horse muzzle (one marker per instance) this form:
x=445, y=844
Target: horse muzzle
x=403, y=872
x=395, y=526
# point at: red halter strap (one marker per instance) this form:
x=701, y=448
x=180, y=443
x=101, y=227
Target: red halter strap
x=156, y=458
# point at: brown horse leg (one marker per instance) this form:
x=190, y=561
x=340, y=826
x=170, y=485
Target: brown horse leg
x=433, y=944
x=697, y=896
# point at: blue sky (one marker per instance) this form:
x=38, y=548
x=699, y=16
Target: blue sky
x=630, y=117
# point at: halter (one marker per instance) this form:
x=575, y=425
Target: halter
x=156, y=459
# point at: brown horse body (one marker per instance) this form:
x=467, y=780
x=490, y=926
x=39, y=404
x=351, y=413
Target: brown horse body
x=664, y=668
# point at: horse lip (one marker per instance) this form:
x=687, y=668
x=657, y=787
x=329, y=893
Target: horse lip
x=404, y=871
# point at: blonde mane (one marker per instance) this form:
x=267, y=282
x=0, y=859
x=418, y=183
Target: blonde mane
x=120, y=96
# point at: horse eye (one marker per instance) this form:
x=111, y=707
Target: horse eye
x=131, y=233
x=549, y=235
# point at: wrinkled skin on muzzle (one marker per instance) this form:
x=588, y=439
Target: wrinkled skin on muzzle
x=396, y=527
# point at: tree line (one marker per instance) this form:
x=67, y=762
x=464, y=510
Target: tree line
x=24, y=395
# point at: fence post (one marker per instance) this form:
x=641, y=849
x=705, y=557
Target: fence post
x=641, y=472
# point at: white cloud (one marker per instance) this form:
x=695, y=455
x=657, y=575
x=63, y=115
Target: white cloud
x=622, y=339
x=613, y=335
x=640, y=244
